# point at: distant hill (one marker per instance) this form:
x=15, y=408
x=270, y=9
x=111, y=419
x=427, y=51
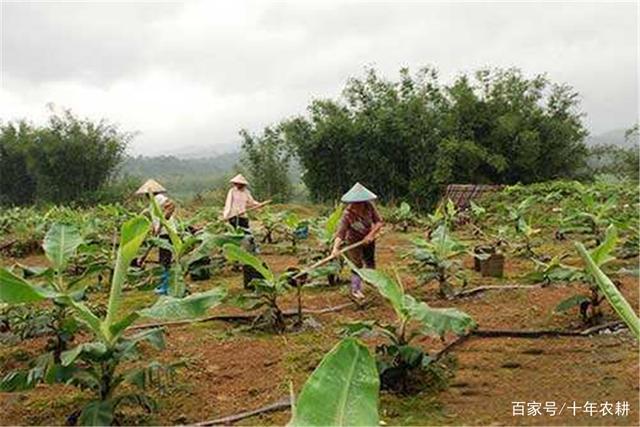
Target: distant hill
x=186, y=176
x=613, y=137
x=183, y=177
x=173, y=165
x=199, y=152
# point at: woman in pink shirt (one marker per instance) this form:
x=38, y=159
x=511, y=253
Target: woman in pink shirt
x=239, y=199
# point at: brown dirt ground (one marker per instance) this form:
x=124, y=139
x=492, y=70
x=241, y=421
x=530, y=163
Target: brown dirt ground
x=229, y=369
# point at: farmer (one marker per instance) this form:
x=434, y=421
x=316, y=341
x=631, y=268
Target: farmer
x=153, y=189
x=239, y=199
x=360, y=222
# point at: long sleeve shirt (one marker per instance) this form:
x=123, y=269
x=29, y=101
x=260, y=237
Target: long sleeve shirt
x=238, y=201
x=354, y=227
x=167, y=207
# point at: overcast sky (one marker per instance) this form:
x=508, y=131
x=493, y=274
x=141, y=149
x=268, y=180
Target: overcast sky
x=193, y=73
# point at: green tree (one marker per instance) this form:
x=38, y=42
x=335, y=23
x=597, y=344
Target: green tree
x=266, y=160
x=406, y=139
x=68, y=159
x=74, y=157
x=622, y=162
x=17, y=185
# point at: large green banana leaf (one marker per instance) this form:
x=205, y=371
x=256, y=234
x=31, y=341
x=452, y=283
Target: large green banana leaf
x=439, y=321
x=333, y=220
x=600, y=254
x=170, y=308
x=193, y=306
x=169, y=226
x=236, y=253
x=342, y=391
x=60, y=243
x=97, y=413
x=132, y=234
x=16, y=290
x=388, y=288
x=436, y=321
x=611, y=292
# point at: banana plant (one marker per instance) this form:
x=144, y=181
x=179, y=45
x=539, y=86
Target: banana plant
x=522, y=226
x=325, y=231
x=187, y=249
x=437, y=259
x=621, y=306
x=590, y=304
x=343, y=390
x=478, y=213
x=271, y=223
x=60, y=244
x=527, y=235
x=552, y=272
x=97, y=365
x=518, y=211
x=295, y=229
x=591, y=218
x=397, y=357
x=444, y=215
x=26, y=227
x=403, y=216
x=20, y=323
x=265, y=291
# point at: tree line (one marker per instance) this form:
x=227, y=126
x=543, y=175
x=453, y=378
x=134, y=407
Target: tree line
x=408, y=138
x=405, y=139
x=68, y=159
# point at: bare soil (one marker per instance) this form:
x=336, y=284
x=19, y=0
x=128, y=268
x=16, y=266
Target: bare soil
x=230, y=369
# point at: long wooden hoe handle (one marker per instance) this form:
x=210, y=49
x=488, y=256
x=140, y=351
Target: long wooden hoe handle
x=256, y=207
x=323, y=261
x=253, y=208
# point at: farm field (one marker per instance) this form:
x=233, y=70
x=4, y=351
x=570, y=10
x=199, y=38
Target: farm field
x=239, y=364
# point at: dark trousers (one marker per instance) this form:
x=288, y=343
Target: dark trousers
x=363, y=256
x=239, y=222
x=165, y=254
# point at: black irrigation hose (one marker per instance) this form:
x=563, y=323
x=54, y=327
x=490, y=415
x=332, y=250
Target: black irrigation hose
x=539, y=333
x=480, y=289
x=496, y=333
x=239, y=317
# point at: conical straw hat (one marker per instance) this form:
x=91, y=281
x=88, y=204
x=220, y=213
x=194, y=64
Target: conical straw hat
x=151, y=186
x=358, y=193
x=239, y=179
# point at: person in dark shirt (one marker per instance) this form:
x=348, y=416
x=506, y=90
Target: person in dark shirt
x=360, y=221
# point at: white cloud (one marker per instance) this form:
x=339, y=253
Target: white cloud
x=195, y=73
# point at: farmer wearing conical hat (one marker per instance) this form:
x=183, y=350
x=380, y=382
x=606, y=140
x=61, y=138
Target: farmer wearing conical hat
x=360, y=221
x=152, y=188
x=239, y=199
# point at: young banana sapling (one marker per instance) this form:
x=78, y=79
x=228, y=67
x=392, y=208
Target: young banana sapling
x=325, y=232
x=403, y=217
x=265, y=290
x=590, y=304
x=187, y=248
x=397, y=358
x=437, y=259
x=97, y=365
